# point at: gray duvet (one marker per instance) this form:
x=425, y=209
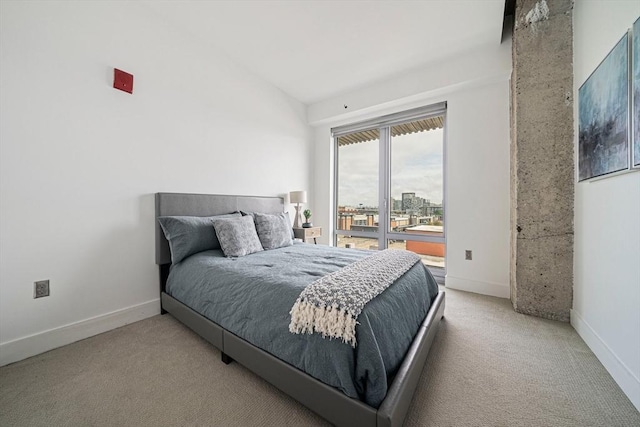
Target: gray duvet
x=251, y=297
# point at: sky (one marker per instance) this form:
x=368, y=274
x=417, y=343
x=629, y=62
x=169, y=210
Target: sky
x=416, y=167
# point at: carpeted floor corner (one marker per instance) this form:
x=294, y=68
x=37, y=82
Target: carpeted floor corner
x=489, y=366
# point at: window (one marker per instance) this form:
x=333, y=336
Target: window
x=390, y=171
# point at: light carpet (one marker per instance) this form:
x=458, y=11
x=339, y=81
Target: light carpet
x=489, y=366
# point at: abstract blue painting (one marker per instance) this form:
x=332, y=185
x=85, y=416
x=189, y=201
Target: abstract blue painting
x=635, y=117
x=603, y=141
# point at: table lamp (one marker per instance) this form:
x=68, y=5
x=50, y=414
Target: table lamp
x=298, y=197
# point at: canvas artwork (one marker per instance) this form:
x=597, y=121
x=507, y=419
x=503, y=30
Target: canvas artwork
x=635, y=117
x=603, y=143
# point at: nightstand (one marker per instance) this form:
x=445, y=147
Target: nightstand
x=306, y=234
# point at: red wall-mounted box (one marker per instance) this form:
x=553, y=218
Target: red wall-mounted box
x=122, y=80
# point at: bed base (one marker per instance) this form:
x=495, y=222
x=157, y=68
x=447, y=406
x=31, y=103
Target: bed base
x=328, y=402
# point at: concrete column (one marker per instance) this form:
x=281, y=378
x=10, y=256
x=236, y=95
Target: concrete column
x=542, y=159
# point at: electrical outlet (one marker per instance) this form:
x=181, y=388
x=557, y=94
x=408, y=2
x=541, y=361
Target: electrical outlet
x=41, y=289
x=468, y=255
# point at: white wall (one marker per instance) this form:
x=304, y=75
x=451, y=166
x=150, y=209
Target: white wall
x=80, y=161
x=606, y=295
x=476, y=88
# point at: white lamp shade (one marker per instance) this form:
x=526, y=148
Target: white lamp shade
x=298, y=197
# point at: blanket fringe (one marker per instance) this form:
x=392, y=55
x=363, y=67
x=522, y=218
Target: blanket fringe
x=331, y=321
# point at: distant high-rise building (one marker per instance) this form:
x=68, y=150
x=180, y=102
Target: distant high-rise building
x=407, y=201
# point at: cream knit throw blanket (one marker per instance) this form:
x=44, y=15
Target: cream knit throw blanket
x=331, y=305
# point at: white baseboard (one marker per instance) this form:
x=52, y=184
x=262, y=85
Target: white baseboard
x=22, y=348
x=621, y=374
x=475, y=286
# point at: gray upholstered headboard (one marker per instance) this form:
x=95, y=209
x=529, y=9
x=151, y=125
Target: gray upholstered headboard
x=174, y=204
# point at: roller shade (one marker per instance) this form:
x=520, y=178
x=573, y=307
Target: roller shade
x=415, y=126
x=404, y=123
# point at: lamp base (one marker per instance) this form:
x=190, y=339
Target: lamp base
x=298, y=220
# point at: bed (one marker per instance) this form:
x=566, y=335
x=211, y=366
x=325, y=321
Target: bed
x=279, y=357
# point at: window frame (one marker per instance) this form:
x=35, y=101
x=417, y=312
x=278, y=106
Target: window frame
x=383, y=124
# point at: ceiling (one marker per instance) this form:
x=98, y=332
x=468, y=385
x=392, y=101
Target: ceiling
x=314, y=50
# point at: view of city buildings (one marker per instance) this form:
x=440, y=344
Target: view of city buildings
x=409, y=214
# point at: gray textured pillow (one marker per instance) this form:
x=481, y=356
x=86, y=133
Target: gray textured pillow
x=237, y=236
x=252, y=215
x=274, y=231
x=188, y=235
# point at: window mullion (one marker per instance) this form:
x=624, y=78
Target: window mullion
x=383, y=198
